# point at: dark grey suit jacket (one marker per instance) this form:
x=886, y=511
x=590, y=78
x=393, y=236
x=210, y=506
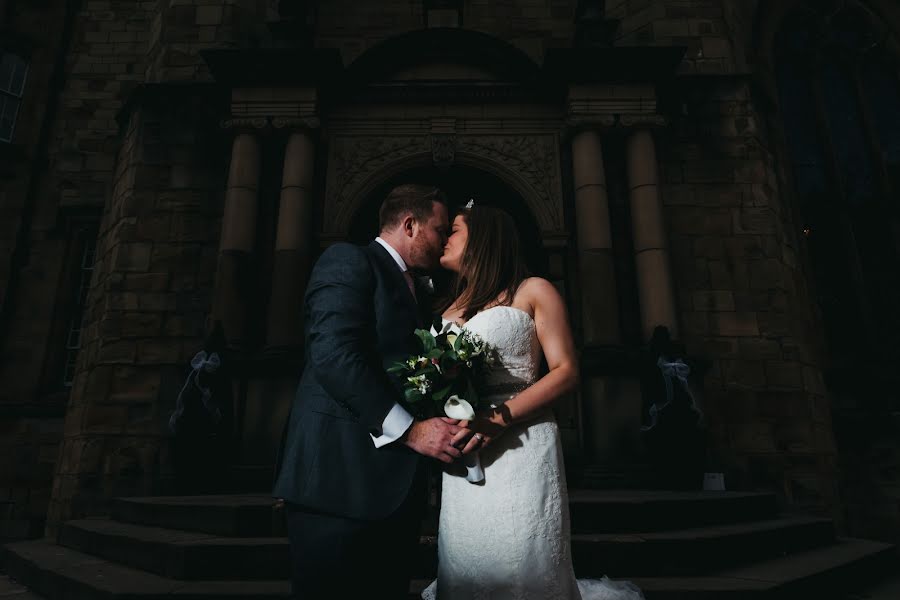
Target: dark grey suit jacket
x=360, y=318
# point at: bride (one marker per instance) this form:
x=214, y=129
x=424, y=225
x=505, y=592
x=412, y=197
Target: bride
x=507, y=537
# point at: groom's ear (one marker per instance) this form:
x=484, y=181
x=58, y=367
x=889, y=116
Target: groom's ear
x=408, y=223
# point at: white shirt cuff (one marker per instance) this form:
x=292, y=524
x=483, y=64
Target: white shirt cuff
x=394, y=426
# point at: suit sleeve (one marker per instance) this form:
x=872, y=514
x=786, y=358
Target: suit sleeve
x=340, y=335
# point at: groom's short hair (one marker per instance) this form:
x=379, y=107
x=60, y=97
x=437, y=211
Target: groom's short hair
x=409, y=198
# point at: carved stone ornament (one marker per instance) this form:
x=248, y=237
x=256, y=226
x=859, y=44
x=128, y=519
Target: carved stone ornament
x=354, y=160
x=296, y=123
x=534, y=159
x=529, y=163
x=443, y=150
x=245, y=123
x=642, y=120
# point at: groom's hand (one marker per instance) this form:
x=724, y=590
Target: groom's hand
x=433, y=437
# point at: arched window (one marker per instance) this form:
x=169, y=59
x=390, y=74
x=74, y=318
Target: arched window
x=839, y=98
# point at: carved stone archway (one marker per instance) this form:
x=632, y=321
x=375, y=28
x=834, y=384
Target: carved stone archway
x=528, y=164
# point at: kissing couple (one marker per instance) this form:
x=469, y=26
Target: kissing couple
x=353, y=463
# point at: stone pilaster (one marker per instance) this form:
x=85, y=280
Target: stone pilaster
x=293, y=248
x=238, y=231
x=599, y=306
x=654, y=274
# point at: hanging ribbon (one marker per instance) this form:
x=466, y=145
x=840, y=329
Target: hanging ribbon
x=671, y=369
x=209, y=364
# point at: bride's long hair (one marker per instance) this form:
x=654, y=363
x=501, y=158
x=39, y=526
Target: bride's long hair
x=491, y=267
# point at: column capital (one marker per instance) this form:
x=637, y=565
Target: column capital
x=245, y=124
x=295, y=124
x=643, y=121
x=575, y=124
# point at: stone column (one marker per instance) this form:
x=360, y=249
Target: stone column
x=599, y=304
x=654, y=274
x=238, y=237
x=292, y=244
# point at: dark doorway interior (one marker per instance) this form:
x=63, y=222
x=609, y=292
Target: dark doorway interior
x=460, y=184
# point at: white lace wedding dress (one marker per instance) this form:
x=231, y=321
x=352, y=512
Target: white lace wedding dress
x=508, y=536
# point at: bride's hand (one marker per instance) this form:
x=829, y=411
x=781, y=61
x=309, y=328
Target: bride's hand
x=482, y=430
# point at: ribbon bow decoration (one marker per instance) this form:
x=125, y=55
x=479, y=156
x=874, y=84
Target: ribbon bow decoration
x=208, y=363
x=676, y=369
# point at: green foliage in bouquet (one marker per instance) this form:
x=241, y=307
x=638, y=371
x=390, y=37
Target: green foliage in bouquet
x=450, y=364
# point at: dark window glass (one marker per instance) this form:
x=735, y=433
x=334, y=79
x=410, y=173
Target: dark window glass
x=88, y=240
x=882, y=90
x=12, y=84
x=804, y=145
x=854, y=160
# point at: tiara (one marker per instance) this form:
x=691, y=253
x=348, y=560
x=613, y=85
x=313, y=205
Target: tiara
x=470, y=203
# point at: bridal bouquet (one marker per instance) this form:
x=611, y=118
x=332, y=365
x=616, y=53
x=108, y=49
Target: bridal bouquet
x=441, y=380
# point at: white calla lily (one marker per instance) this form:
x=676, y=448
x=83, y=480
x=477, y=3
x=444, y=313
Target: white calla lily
x=457, y=408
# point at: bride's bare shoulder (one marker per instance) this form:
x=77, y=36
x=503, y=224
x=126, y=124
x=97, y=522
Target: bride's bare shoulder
x=533, y=290
x=536, y=285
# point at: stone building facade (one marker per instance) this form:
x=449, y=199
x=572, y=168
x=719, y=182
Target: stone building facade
x=177, y=163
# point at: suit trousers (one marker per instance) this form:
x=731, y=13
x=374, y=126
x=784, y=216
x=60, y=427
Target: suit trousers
x=337, y=557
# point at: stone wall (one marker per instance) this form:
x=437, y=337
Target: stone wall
x=148, y=303
x=704, y=27
x=743, y=297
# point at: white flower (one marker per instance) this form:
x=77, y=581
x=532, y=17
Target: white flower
x=421, y=382
x=457, y=408
x=451, y=338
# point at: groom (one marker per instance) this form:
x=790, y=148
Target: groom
x=351, y=472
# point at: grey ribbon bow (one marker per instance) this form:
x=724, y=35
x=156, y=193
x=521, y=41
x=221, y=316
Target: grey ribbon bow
x=209, y=364
x=671, y=369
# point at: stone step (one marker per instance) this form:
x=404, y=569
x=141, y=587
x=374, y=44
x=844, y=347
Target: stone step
x=833, y=572
x=59, y=573
x=683, y=552
x=696, y=551
x=13, y=590
x=612, y=511
x=179, y=554
x=195, y=556
x=592, y=511
x=240, y=515
x=822, y=573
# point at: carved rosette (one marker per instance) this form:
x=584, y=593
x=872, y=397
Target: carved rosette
x=443, y=150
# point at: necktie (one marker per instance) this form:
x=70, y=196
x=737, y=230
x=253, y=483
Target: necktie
x=409, y=282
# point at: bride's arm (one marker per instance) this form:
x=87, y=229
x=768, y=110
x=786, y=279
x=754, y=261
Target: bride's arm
x=555, y=336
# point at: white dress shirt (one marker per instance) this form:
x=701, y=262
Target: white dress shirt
x=398, y=420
